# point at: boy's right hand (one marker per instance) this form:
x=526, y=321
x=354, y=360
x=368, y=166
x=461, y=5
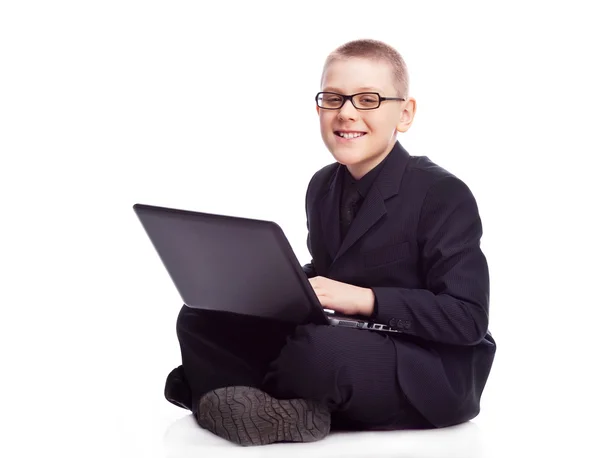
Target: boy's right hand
x=343, y=297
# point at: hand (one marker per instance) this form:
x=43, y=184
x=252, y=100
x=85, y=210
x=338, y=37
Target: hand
x=342, y=297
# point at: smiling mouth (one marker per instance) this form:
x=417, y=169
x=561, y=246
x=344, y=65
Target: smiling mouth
x=349, y=135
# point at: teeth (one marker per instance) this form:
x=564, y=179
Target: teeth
x=349, y=135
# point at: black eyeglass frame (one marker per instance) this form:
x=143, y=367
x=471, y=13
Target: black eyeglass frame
x=345, y=98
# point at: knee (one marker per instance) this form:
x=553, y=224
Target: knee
x=189, y=322
x=181, y=322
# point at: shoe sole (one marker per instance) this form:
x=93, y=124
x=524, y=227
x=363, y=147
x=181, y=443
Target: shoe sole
x=249, y=416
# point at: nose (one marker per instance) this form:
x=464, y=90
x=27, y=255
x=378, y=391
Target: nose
x=348, y=111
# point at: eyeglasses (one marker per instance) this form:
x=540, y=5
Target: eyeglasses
x=361, y=101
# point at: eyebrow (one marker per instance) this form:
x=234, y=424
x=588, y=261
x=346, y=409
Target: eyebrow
x=360, y=89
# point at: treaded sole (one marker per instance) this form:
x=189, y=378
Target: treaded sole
x=249, y=416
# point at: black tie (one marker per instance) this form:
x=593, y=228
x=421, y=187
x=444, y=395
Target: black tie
x=348, y=209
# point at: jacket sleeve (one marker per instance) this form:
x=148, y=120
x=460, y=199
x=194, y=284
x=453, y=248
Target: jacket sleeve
x=309, y=269
x=453, y=307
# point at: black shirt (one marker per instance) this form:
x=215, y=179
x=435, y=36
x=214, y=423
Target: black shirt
x=363, y=186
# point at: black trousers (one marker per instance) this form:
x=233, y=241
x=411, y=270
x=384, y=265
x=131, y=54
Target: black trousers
x=352, y=371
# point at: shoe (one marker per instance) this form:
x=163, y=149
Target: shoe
x=177, y=390
x=249, y=416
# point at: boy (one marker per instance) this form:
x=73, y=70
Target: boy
x=392, y=237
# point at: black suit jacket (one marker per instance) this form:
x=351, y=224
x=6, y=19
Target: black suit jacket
x=416, y=243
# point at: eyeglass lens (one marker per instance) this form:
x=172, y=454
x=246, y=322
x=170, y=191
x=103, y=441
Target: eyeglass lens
x=364, y=101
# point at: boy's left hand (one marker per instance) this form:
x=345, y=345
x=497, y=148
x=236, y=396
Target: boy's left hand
x=342, y=297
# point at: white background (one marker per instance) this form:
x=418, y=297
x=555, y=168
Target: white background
x=209, y=106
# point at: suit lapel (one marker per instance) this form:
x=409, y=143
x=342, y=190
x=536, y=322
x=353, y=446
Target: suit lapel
x=386, y=185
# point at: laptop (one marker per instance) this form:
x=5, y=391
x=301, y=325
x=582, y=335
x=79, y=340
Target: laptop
x=237, y=265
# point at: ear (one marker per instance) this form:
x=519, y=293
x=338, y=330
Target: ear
x=318, y=109
x=408, y=114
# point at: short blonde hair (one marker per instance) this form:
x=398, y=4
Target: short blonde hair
x=377, y=51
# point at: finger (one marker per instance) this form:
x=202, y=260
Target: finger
x=323, y=297
x=324, y=300
x=325, y=303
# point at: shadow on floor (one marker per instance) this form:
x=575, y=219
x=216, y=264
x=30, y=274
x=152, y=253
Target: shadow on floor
x=184, y=438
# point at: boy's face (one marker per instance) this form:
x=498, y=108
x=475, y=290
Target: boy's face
x=377, y=127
